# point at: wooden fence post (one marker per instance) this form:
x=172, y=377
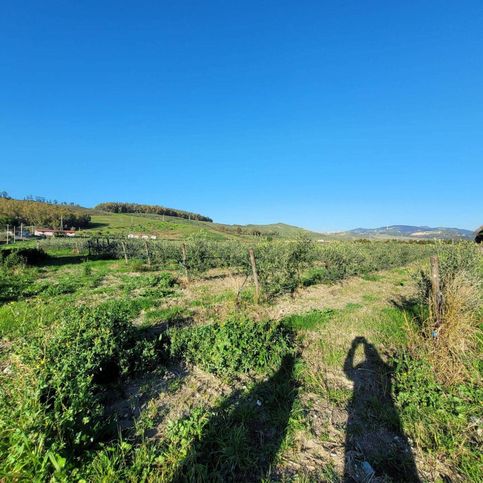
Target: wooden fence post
x=255, y=274
x=124, y=251
x=436, y=295
x=147, y=252
x=185, y=258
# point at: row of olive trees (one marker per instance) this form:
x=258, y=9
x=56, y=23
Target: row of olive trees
x=281, y=266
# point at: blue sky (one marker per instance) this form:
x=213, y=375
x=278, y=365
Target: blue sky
x=324, y=114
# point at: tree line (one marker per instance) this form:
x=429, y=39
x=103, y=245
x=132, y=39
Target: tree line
x=40, y=199
x=37, y=213
x=118, y=207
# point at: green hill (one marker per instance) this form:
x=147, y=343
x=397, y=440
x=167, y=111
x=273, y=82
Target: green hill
x=169, y=227
x=122, y=219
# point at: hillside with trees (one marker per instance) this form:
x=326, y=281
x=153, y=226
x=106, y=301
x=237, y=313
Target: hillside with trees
x=15, y=212
x=118, y=207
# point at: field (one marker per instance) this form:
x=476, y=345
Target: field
x=161, y=361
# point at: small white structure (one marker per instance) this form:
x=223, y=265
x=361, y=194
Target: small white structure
x=50, y=232
x=142, y=236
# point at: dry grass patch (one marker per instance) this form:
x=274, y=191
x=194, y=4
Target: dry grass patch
x=452, y=348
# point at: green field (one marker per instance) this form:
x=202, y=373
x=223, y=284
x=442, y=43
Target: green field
x=169, y=368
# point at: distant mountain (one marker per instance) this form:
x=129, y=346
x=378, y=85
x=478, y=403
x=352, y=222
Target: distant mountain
x=413, y=232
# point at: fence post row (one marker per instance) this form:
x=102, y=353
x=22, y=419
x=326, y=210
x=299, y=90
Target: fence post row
x=255, y=274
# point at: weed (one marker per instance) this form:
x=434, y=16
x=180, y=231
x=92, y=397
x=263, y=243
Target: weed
x=55, y=398
x=234, y=347
x=439, y=419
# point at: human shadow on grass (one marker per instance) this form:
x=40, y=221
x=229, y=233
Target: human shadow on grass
x=375, y=444
x=242, y=437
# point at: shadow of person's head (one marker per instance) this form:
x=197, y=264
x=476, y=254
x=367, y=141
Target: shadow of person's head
x=371, y=355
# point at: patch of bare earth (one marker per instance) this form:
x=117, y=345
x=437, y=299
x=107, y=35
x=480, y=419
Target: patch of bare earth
x=352, y=290
x=161, y=397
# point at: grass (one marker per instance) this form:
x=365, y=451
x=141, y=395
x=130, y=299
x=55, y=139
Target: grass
x=371, y=277
x=309, y=321
x=229, y=397
x=369, y=298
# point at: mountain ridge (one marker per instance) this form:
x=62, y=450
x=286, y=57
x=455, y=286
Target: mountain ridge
x=414, y=232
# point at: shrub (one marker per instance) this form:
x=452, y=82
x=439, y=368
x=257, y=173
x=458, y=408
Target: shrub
x=234, y=347
x=54, y=397
x=15, y=278
x=280, y=266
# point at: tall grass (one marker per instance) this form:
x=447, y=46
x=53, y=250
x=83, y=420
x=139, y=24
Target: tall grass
x=452, y=349
x=438, y=379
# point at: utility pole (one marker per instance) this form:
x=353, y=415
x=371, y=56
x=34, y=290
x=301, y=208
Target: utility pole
x=7, y=233
x=21, y=231
x=61, y=223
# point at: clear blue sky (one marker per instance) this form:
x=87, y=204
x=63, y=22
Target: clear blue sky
x=324, y=114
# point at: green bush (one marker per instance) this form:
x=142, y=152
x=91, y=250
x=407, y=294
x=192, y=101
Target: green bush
x=54, y=397
x=15, y=277
x=234, y=347
x=280, y=266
